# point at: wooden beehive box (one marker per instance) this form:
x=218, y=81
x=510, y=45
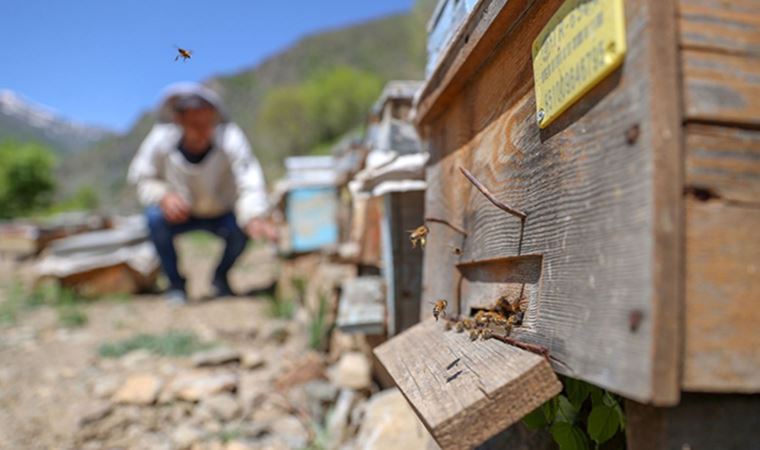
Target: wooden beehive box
x=639, y=255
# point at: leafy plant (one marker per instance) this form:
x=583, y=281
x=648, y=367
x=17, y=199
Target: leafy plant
x=26, y=178
x=172, y=343
x=581, y=415
x=281, y=307
x=318, y=327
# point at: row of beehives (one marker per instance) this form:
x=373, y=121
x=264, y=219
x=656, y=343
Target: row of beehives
x=92, y=254
x=358, y=206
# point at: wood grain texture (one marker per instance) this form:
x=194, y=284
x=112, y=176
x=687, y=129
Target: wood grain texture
x=403, y=211
x=490, y=22
x=720, y=26
x=700, y=421
x=724, y=161
x=722, y=351
x=604, y=210
x=465, y=391
x=362, y=306
x=721, y=88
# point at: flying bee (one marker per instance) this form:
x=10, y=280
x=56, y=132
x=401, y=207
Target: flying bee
x=419, y=236
x=439, y=309
x=183, y=53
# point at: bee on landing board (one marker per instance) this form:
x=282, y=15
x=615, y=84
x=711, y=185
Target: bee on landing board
x=419, y=236
x=439, y=309
x=183, y=53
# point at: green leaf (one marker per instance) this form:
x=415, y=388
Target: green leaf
x=609, y=400
x=603, y=423
x=597, y=395
x=566, y=412
x=621, y=416
x=550, y=409
x=535, y=420
x=569, y=437
x=577, y=391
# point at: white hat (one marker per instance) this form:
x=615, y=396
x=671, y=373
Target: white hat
x=177, y=91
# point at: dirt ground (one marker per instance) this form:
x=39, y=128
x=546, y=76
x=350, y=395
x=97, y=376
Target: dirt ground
x=48, y=372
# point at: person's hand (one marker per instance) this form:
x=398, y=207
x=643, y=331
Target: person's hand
x=175, y=208
x=261, y=229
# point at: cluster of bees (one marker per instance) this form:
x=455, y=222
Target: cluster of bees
x=487, y=323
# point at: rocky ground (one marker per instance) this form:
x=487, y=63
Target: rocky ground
x=217, y=374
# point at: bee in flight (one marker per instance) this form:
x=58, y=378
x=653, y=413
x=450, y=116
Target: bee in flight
x=439, y=309
x=419, y=236
x=183, y=53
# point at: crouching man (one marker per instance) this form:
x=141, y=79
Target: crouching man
x=195, y=171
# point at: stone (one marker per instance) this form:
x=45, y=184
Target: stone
x=95, y=412
x=321, y=391
x=253, y=359
x=291, y=431
x=106, y=386
x=389, y=422
x=224, y=407
x=135, y=358
x=185, y=436
x=309, y=367
x=195, y=386
x=238, y=445
x=216, y=357
x=353, y=370
x=337, y=422
x=276, y=332
x=139, y=390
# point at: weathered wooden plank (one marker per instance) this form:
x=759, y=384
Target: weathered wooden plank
x=362, y=306
x=721, y=26
x=700, y=421
x=516, y=278
x=722, y=351
x=602, y=188
x=404, y=211
x=444, y=244
x=724, y=162
x=465, y=391
x=489, y=23
x=721, y=88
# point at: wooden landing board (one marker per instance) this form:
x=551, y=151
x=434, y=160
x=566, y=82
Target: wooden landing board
x=465, y=391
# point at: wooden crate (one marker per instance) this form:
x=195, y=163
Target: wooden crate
x=639, y=255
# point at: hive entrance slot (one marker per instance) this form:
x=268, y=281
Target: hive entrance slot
x=515, y=277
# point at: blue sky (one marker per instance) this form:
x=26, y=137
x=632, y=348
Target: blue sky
x=103, y=62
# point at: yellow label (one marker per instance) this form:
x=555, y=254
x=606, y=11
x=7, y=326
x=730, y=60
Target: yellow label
x=581, y=45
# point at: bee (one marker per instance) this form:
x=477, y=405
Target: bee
x=459, y=326
x=419, y=236
x=448, y=325
x=183, y=53
x=486, y=333
x=516, y=319
x=474, y=334
x=439, y=309
x=468, y=324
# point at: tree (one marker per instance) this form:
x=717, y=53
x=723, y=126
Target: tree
x=295, y=120
x=26, y=178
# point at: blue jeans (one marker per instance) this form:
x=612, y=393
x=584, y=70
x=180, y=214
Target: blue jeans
x=162, y=234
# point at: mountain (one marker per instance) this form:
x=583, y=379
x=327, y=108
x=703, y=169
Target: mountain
x=384, y=49
x=23, y=120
